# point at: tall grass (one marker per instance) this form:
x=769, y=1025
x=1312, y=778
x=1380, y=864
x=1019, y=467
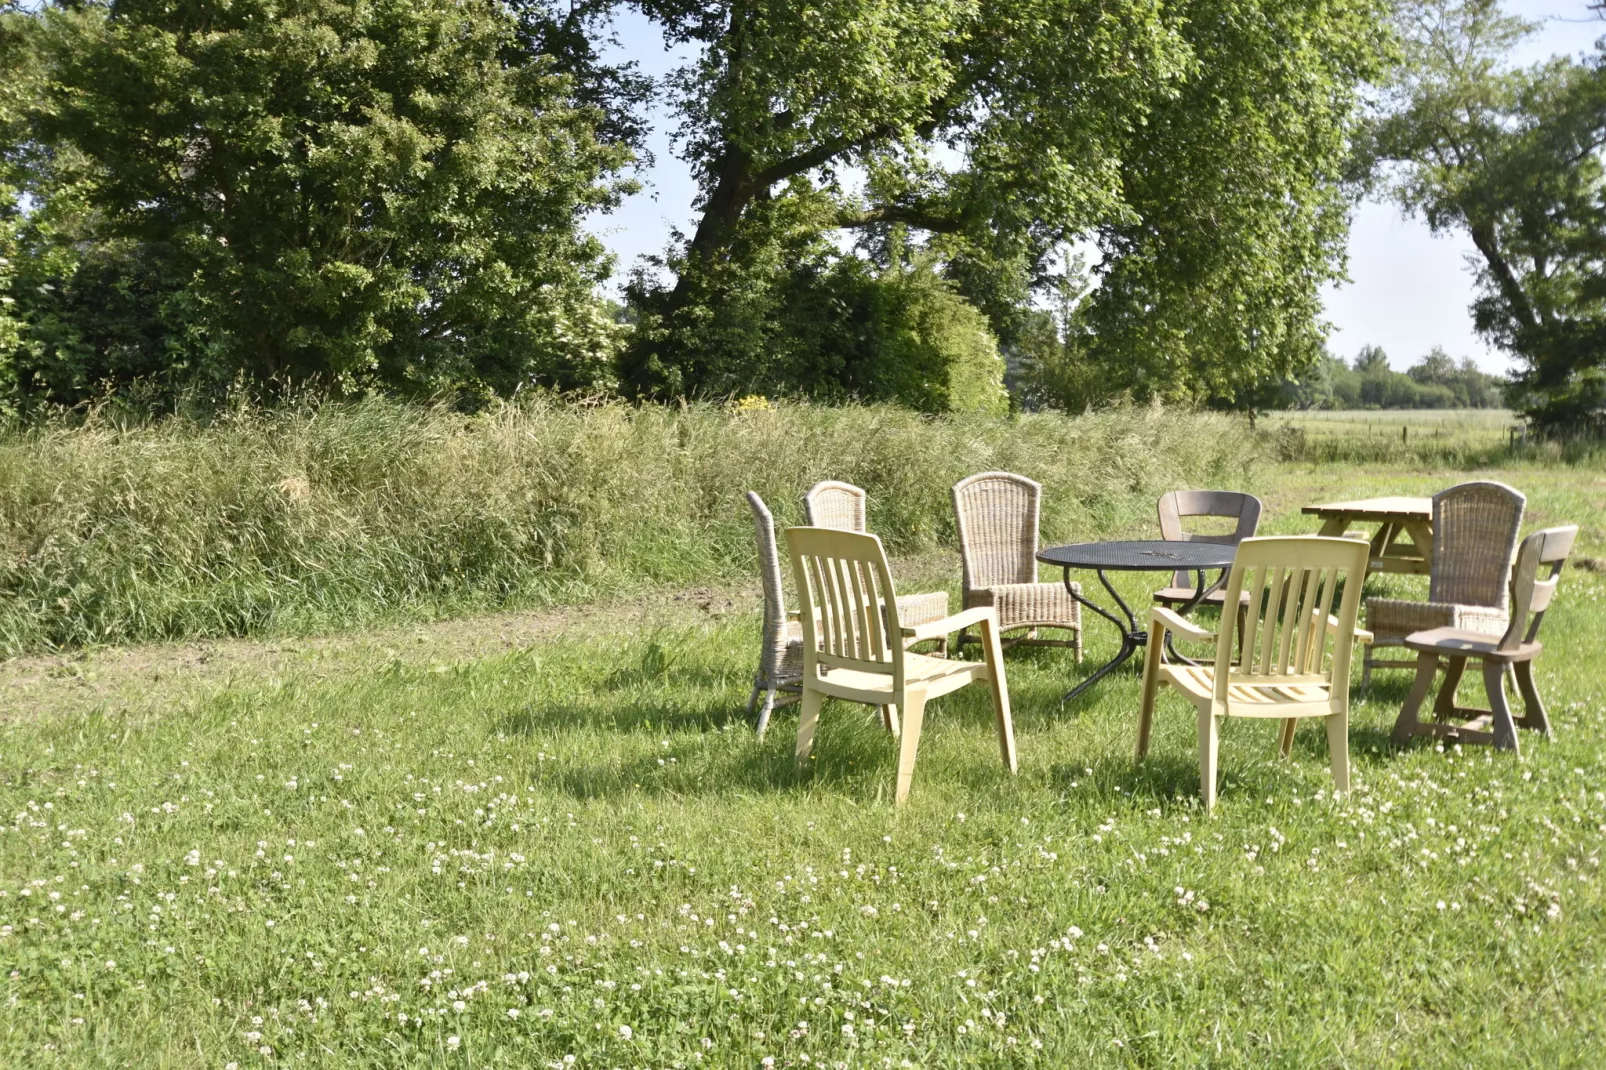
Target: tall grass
x=329, y=515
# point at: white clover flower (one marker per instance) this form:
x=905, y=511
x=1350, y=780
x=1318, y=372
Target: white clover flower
x=625, y=1032
x=452, y=1043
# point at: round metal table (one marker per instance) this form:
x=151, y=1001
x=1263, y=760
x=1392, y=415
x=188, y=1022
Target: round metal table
x=1147, y=555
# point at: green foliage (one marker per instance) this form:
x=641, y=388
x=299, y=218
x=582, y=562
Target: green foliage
x=372, y=195
x=1514, y=159
x=1210, y=286
x=798, y=319
x=1434, y=382
x=1197, y=143
x=305, y=519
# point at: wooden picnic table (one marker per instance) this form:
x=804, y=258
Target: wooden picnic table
x=1403, y=541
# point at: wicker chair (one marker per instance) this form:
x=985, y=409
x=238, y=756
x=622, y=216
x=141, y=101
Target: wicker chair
x=833, y=504
x=1475, y=528
x=997, y=515
x=1183, y=504
x=780, y=662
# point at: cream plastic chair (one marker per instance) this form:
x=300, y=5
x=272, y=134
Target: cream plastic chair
x=854, y=644
x=834, y=504
x=997, y=517
x=1475, y=530
x=1513, y=652
x=1287, y=670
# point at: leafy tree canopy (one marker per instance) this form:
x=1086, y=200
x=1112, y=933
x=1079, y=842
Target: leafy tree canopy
x=1197, y=143
x=369, y=193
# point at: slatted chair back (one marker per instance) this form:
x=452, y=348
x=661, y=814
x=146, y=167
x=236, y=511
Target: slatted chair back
x=833, y=504
x=1294, y=583
x=1531, y=589
x=1180, y=505
x=846, y=602
x=1475, y=529
x=997, y=515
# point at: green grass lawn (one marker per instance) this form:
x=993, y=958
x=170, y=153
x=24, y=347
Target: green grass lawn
x=575, y=853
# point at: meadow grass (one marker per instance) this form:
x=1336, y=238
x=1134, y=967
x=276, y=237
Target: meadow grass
x=1454, y=436
x=306, y=519
x=575, y=854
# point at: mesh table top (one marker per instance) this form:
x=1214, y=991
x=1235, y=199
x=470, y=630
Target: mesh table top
x=1143, y=555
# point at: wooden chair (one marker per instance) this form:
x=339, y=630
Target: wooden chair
x=1512, y=652
x=1180, y=505
x=1287, y=669
x=1475, y=529
x=834, y=504
x=854, y=644
x=997, y=517
x=780, y=659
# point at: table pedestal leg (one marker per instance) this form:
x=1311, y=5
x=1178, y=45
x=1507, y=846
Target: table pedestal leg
x=1133, y=638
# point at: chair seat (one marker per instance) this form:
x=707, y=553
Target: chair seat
x=1463, y=642
x=916, y=609
x=1390, y=620
x=1030, y=605
x=935, y=676
x=1184, y=595
x=1263, y=700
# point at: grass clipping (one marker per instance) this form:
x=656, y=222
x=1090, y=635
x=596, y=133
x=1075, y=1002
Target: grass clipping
x=325, y=516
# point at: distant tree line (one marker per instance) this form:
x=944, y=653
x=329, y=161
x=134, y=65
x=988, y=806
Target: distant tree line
x=1434, y=382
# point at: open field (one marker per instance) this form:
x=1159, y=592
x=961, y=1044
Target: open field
x=1442, y=435
x=412, y=850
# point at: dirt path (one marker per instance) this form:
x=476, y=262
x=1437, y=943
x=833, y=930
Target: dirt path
x=147, y=677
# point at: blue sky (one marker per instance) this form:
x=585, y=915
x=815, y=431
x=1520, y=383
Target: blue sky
x=1409, y=289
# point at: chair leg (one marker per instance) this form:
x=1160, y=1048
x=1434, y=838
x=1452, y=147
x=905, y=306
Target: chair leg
x=1534, y=715
x=1285, y=737
x=1444, y=706
x=1338, y=750
x=1151, y=688
x=1505, y=730
x=1366, y=671
x=914, y=712
x=1000, y=685
x=889, y=719
x=752, y=699
x=1209, y=751
x=1427, y=666
x=764, y=713
x=807, y=721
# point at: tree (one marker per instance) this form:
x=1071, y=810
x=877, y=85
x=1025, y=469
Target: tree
x=378, y=194
x=1199, y=143
x=1513, y=158
x=1437, y=367
x=1371, y=360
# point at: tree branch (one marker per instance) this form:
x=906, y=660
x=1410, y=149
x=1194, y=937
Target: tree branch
x=897, y=213
x=815, y=157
